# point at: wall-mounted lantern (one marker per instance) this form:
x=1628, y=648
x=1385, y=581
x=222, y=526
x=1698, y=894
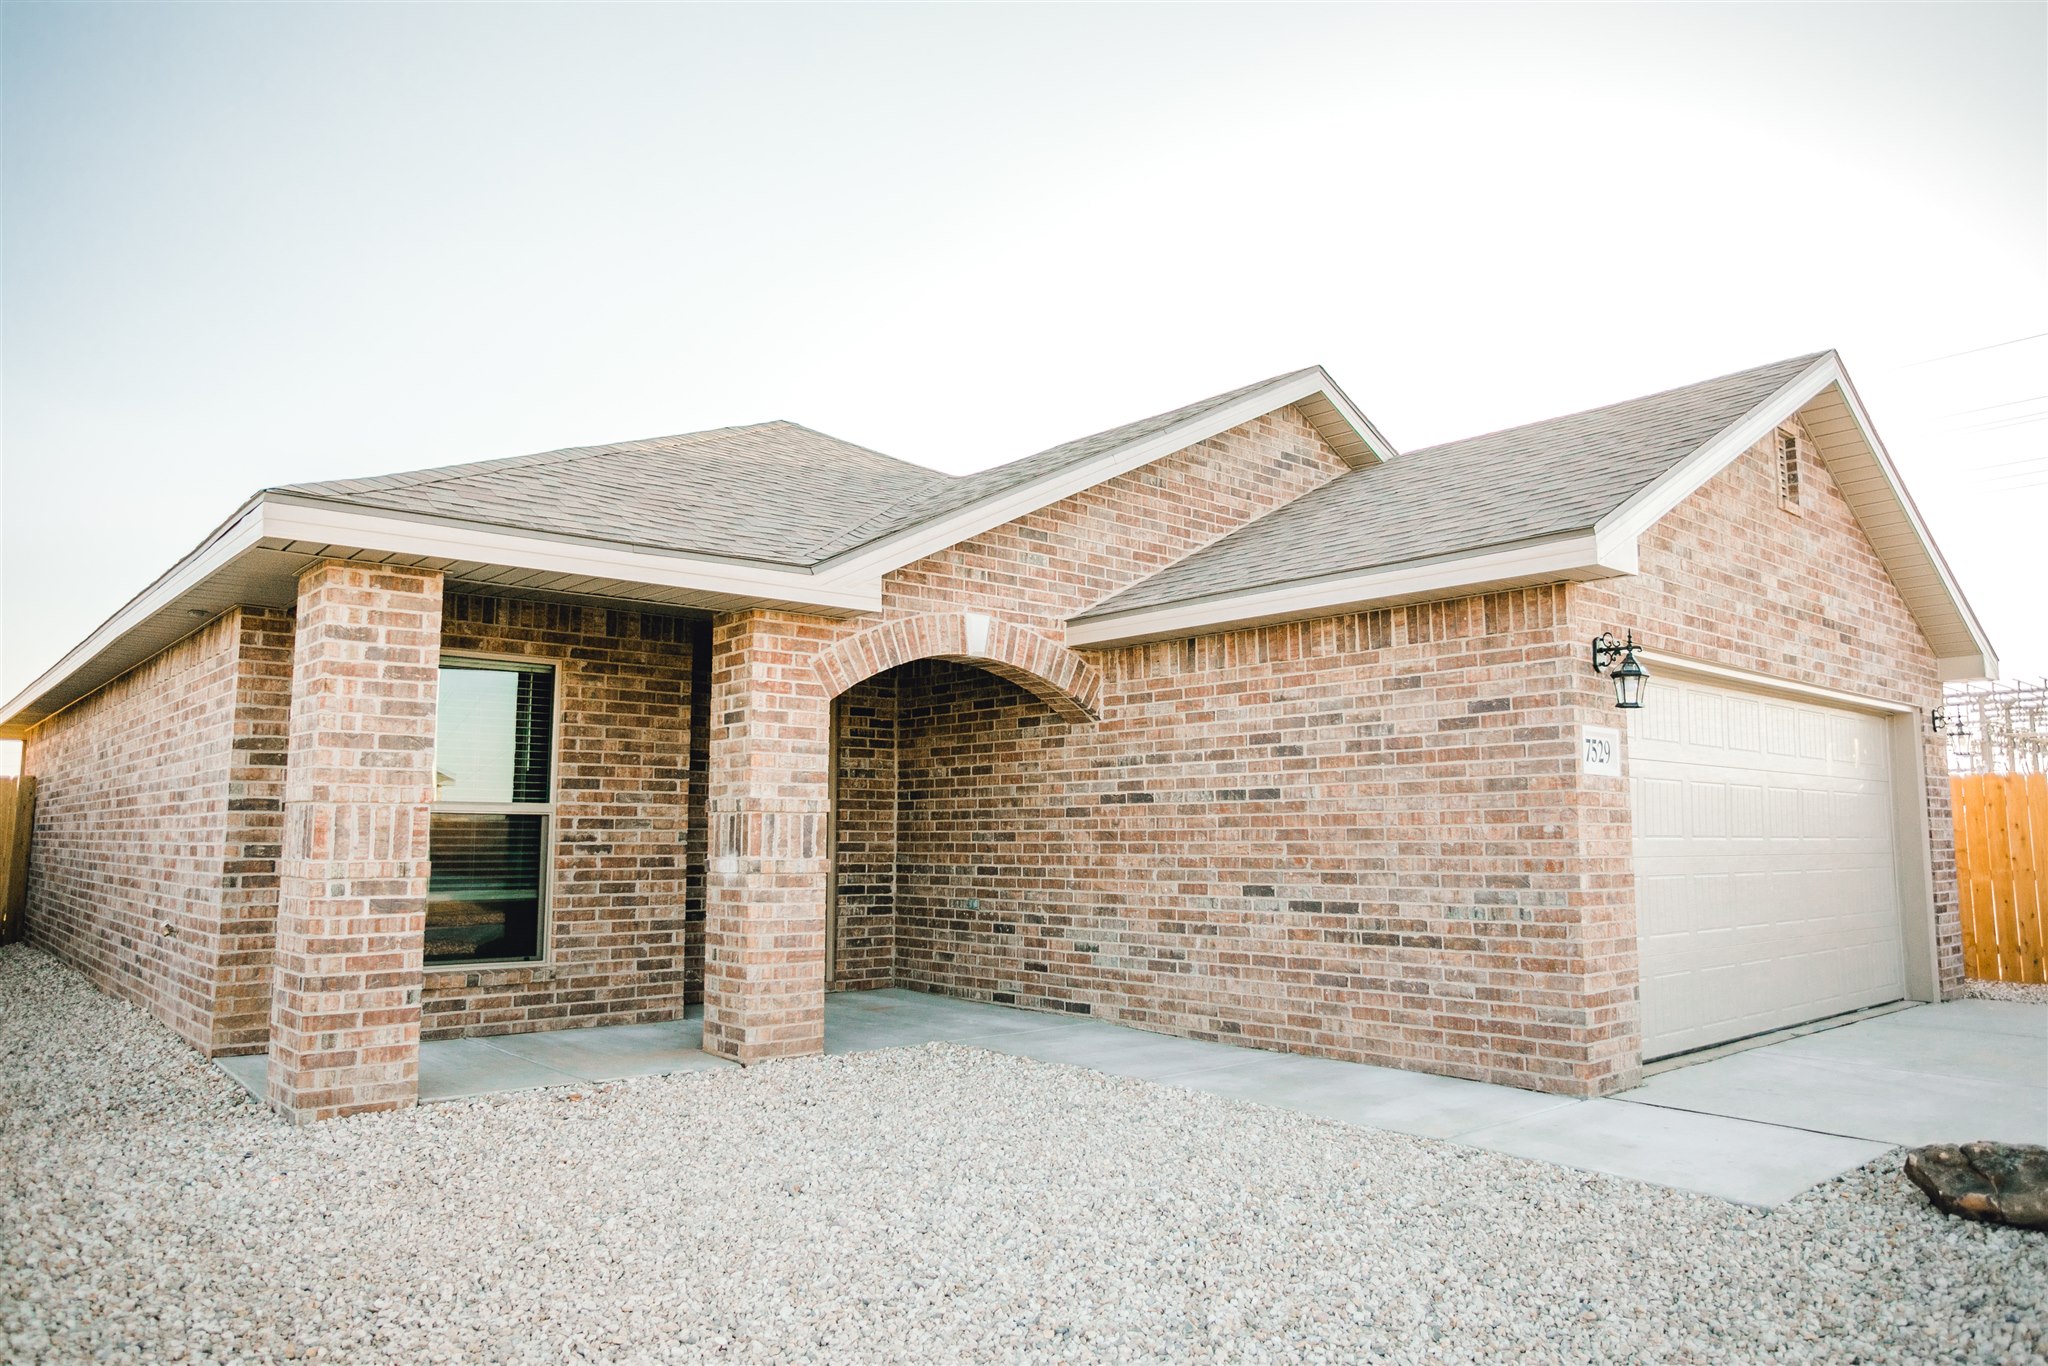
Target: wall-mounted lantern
x=1617, y=659
x=1937, y=720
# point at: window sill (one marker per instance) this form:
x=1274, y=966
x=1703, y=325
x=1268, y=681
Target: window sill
x=446, y=978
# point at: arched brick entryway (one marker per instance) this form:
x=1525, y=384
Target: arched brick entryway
x=1066, y=682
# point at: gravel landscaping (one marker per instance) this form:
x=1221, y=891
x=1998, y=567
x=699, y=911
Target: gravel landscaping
x=929, y=1204
x=2028, y=993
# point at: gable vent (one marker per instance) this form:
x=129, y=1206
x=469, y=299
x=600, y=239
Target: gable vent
x=1789, y=444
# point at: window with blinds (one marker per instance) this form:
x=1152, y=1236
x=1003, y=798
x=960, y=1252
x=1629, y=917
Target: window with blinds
x=493, y=810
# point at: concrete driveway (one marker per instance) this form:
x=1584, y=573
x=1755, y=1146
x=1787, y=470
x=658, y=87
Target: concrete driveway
x=1757, y=1126
x=1927, y=1074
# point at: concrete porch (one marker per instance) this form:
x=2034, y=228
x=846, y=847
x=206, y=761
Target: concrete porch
x=1759, y=1126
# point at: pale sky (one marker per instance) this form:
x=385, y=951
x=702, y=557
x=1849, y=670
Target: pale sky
x=249, y=245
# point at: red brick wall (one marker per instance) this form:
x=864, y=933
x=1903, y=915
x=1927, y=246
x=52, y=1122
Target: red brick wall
x=620, y=888
x=156, y=810
x=1732, y=577
x=696, y=846
x=1049, y=565
x=864, y=835
x=1352, y=837
x=255, y=828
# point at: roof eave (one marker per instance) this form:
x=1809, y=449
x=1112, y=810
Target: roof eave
x=1573, y=556
x=254, y=559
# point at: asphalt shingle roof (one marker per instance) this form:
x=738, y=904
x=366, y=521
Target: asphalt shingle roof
x=768, y=492
x=964, y=490
x=1524, y=483
x=783, y=494
x=775, y=492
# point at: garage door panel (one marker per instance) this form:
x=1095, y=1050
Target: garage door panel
x=1746, y=823
x=1814, y=825
x=1703, y=714
x=1707, y=810
x=1766, y=892
x=1781, y=731
x=1863, y=818
x=1813, y=735
x=1745, y=725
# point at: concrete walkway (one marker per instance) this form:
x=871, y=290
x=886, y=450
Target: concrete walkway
x=1758, y=1126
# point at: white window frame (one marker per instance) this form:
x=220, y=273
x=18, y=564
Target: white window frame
x=544, y=931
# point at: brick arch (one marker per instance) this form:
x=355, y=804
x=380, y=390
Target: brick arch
x=1067, y=683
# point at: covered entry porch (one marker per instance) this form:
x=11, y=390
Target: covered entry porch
x=587, y=754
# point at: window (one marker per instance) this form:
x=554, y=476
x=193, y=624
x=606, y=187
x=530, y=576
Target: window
x=493, y=809
x=1788, y=467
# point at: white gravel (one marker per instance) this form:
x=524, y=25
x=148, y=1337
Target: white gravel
x=2030, y=993
x=930, y=1204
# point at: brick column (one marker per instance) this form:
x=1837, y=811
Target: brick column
x=359, y=780
x=764, y=904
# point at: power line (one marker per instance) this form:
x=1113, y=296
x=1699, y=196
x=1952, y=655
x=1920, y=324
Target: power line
x=2015, y=341
x=2033, y=459
x=2019, y=420
x=2009, y=403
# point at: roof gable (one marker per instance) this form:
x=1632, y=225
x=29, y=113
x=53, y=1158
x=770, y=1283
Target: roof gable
x=937, y=518
x=1526, y=483
x=1561, y=499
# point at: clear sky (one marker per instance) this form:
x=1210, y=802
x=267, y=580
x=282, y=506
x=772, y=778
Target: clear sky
x=245, y=245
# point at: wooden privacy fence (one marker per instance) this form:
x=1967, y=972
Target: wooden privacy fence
x=17, y=819
x=2002, y=873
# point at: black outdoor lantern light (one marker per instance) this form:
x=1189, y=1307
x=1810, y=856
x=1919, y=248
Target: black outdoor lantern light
x=1630, y=677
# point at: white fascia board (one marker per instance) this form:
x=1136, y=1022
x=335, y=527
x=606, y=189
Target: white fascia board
x=1983, y=663
x=325, y=524
x=1575, y=557
x=1649, y=504
x=1967, y=668
x=915, y=543
x=238, y=534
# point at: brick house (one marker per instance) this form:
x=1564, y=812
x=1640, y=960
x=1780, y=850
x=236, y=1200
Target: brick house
x=1233, y=723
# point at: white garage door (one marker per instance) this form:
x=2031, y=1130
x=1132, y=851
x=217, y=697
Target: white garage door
x=1765, y=888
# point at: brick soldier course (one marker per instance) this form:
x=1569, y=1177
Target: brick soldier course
x=1008, y=736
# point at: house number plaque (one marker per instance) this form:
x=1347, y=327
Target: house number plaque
x=1600, y=751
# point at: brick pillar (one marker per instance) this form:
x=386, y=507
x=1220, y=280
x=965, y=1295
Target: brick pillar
x=764, y=904
x=359, y=780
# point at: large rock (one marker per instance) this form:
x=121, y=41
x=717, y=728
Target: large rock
x=2000, y=1183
